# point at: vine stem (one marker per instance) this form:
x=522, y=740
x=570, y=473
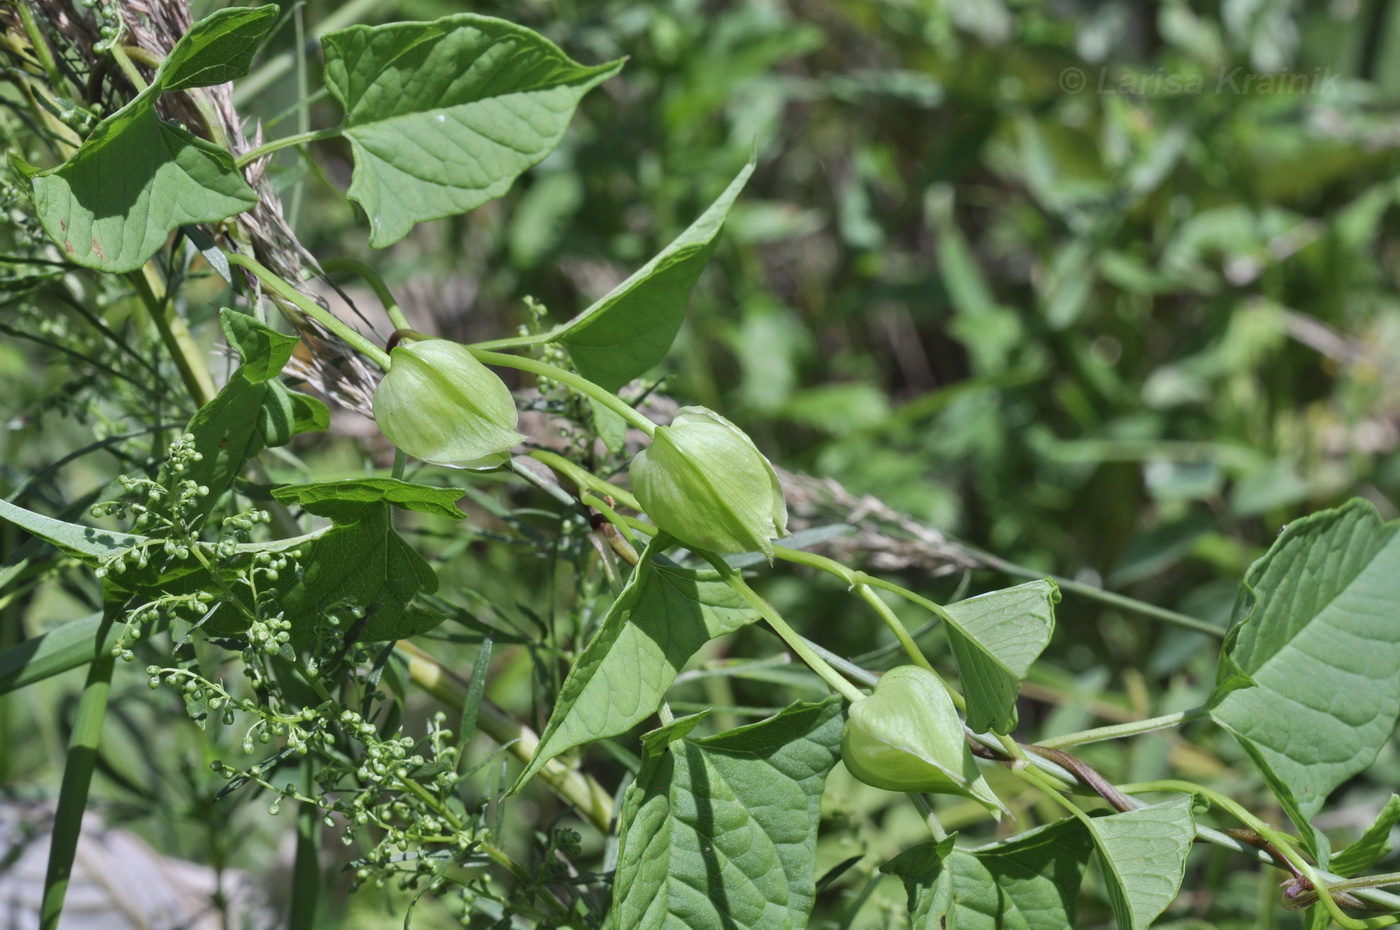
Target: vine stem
x=790, y=636
x=1120, y=730
x=327, y=319
x=577, y=382
x=300, y=138
x=42, y=52
x=999, y=564
x=372, y=278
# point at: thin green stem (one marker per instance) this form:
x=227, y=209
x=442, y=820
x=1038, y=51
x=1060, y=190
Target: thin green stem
x=586, y=480
x=77, y=779
x=895, y=626
x=175, y=336
x=371, y=277
x=580, y=384
x=310, y=308
x=1099, y=594
x=790, y=636
x=128, y=68
x=300, y=138
x=518, y=342
x=930, y=818
x=1121, y=730
x=42, y=52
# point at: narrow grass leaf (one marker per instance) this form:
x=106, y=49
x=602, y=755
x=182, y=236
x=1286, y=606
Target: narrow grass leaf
x=721, y=832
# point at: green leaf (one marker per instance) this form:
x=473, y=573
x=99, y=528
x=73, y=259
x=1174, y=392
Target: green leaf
x=362, y=564
x=443, y=116
x=1030, y=882
x=85, y=543
x=253, y=411
x=114, y=202
x=217, y=49
x=345, y=501
x=1143, y=853
x=721, y=832
x=75, y=643
x=630, y=330
x=656, y=624
x=1323, y=648
x=136, y=179
x=995, y=638
x=1373, y=844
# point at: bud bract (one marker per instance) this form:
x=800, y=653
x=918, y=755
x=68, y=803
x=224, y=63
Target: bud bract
x=439, y=404
x=704, y=481
x=907, y=737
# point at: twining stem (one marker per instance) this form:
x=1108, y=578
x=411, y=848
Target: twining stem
x=586, y=480
x=911, y=648
x=128, y=68
x=371, y=277
x=300, y=138
x=327, y=319
x=582, y=385
x=790, y=636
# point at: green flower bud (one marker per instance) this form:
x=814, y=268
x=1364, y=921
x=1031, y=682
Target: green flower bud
x=907, y=737
x=441, y=405
x=704, y=481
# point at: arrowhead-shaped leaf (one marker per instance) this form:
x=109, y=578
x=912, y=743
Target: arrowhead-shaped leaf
x=995, y=638
x=443, y=116
x=1029, y=882
x=217, y=49
x=630, y=330
x=1143, y=853
x=114, y=202
x=136, y=179
x=721, y=832
x=656, y=624
x=1323, y=649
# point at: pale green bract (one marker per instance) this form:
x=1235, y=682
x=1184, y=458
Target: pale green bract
x=907, y=737
x=704, y=481
x=439, y=404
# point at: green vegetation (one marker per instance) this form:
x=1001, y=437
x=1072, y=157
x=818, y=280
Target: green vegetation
x=411, y=417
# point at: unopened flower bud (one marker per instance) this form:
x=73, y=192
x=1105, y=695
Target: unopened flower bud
x=441, y=405
x=907, y=737
x=704, y=481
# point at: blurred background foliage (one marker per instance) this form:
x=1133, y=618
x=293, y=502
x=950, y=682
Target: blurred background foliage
x=1104, y=288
